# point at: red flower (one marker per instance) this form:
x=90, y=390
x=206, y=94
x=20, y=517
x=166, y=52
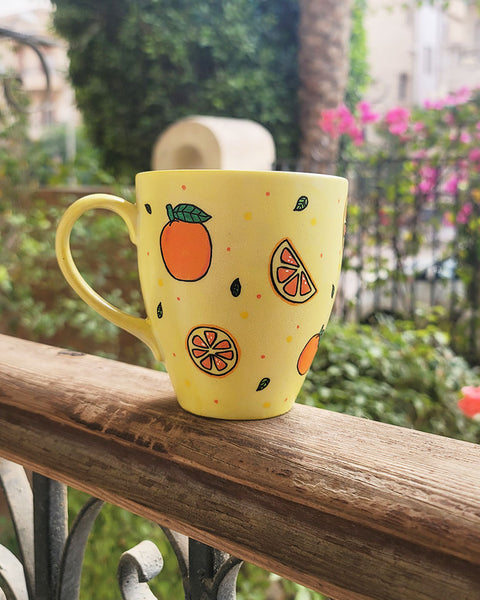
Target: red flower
x=469, y=404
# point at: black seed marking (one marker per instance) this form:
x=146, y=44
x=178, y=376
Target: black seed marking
x=148, y=208
x=159, y=310
x=236, y=288
x=333, y=291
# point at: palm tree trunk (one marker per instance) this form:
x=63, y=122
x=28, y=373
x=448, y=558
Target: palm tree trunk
x=324, y=33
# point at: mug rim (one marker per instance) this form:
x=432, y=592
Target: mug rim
x=240, y=172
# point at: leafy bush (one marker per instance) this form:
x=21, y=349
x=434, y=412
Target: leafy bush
x=392, y=373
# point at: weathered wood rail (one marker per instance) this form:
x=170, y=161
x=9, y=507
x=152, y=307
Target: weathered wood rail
x=352, y=508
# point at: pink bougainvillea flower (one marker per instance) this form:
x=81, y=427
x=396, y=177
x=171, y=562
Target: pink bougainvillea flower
x=465, y=137
x=367, y=115
x=464, y=213
x=346, y=121
x=451, y=185
x=434, y=104
x=462, y=96
x=429, y=178
x=397, y=120
x=418, y=126
x=474, y=155
x=469, y=404
x=329, y=122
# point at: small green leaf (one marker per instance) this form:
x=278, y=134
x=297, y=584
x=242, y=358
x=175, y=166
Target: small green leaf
x=159, y=310
x=263, y=384
x=236, y=288
x=302, y=203
x=189, y=213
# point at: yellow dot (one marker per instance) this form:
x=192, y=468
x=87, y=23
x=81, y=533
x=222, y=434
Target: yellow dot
x=313, y=221
x=160, y=282
x=244, y=314
x=289, y=339
x=247, y=216
x=266, y=405
x=187, y=383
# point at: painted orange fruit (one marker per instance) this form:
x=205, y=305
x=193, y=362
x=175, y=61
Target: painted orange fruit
x=289, y=276
x=185, y=243
x=308, y=354
x=213, y=350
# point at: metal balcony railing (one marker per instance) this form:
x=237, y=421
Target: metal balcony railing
x=352, y=508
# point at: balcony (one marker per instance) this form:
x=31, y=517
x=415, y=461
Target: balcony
x=355, y=509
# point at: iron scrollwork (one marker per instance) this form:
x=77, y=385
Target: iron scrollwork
x=36, y=45
x=51, y=557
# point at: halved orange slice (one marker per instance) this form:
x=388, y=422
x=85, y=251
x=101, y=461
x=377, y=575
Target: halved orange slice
x=308, y=354
x=212, y=349
x=289, y=276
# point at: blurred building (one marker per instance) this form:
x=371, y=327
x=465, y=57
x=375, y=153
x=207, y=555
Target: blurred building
x=45, y=110
x=418, y=53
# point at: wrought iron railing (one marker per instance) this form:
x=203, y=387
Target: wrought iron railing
x=349, y=507
x=37, y=45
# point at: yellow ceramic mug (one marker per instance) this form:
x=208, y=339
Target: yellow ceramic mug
x=238, y=271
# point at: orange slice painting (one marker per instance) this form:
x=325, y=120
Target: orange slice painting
x=213, y=350
x=289, y=276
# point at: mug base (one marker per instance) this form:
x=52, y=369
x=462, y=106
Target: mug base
x=233, y=414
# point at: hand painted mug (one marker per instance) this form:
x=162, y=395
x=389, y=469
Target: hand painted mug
x=238, y=272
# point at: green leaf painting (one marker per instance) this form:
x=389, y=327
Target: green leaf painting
x=263, y=384
x=188, y=213
x=302, y=204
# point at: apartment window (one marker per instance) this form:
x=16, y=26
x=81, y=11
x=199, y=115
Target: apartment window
x=402, y=87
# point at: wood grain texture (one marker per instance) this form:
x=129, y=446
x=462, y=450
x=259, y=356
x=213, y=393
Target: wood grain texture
x=353, y=508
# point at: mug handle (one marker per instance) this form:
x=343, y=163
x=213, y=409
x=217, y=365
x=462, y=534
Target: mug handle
x=139, y=327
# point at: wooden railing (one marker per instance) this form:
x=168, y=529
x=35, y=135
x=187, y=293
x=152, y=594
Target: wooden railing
x=352, y=508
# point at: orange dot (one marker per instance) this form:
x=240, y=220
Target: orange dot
x=216, y=401
x=267, y=194
x=184, y=187
x=259, y=296
x=148, y=253
x=178, y=297
x=321, y=255
x=174, y=354
x=228, y=249
x=263, y=356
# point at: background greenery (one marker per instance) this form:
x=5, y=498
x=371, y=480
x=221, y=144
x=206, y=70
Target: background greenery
x=167, y=59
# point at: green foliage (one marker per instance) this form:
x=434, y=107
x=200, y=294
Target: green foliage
x=138, y=66
x=358, y=76
x=394, y=373
x=35, y=301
